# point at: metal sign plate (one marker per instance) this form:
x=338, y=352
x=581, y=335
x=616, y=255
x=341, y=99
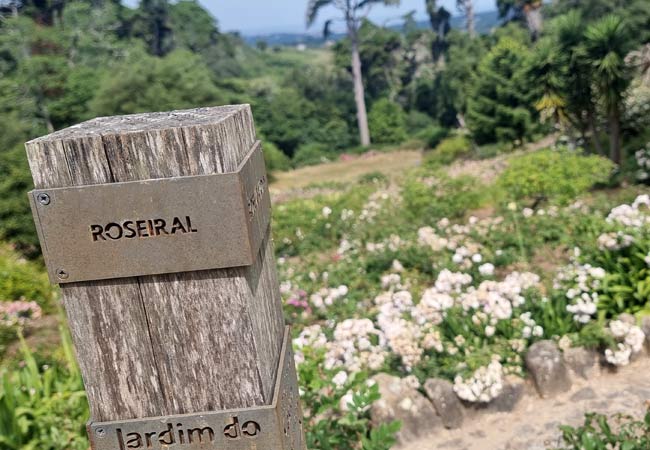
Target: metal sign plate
x=274, y=427
x=154, y=226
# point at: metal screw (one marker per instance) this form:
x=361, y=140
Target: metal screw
x=43, y=198
x=100, y=432
x=62, y=274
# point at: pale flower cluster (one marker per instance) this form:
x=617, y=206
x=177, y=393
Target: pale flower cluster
x=615, y=240
x=582, y=282
x=352, y=348
x=498, y=298
x=409, y=328
x=629, y=341
x=632, y=216
x=402, y=335
x=643, y=160
x=327, y=296
x=18, y=312
x=485, y=384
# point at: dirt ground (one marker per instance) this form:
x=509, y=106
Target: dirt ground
x=390, y=164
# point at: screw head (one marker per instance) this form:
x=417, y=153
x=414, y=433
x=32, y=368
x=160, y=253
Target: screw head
x=62, y=274
x=43, y=198
x=100, y=432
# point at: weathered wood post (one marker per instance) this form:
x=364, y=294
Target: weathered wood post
x=156, y=226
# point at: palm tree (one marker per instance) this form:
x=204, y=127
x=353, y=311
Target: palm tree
x=606, y=46
x=353, y=13
x=575, y=70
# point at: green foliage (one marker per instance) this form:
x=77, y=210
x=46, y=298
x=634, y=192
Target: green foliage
x=146, y=83
x=430, y=196
x=499, y=108
x=444, y=95
x=600, y=432
x=377, y=178
x=43, y=407
x=315, y=224
x=558, y=175
x=23, y=280
x=275, y=160
x=448, y=151
x=387, y=122
x=432, y=135
x=310, y=154
x=381, y=70
x=16, y=223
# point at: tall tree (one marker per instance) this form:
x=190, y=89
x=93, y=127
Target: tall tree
x=529, y=10
x=353, y=12
x=439, y=19
x=570, y=96
x=607, y=44
x=467, y=8
x=153, y=25
x=499, y=107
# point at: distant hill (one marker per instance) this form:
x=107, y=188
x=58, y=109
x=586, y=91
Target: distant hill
x=485, y=21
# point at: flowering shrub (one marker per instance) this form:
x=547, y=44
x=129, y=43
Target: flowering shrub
x=433, y=296
x=24, y=293
x=336, y=404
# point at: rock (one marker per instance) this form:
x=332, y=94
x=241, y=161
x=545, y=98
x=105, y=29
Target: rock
x=513, y=392
x=584, y=394
x=645, y=326
x=582, y=362
x=400, y=401
x=546, y=366
x=444, y=399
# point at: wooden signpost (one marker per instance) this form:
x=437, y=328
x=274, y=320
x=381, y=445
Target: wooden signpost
x=156, y=226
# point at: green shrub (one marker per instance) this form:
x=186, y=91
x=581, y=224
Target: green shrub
x=417, y=121
x=23, y=280
x=448, y=151
x=558, y=175
x=432, y=135
x=600, y=432
x=16, y=223
x=387, y=122
x=432, y=196
x=373, y=178
x=314, y=153
x=274, y=158
x=43, y=407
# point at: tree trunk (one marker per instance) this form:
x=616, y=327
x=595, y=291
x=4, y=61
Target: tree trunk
x=359, y=94
x=534, y=19
x=593, y=133
x=615, y=136
x=469, y=13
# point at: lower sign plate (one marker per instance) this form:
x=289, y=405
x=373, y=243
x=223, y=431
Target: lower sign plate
x=274, y=427
x=156, y=226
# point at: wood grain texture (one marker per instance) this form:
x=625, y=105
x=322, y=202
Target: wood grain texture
x=174, y=343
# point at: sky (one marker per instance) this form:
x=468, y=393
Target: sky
x=270, y=16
